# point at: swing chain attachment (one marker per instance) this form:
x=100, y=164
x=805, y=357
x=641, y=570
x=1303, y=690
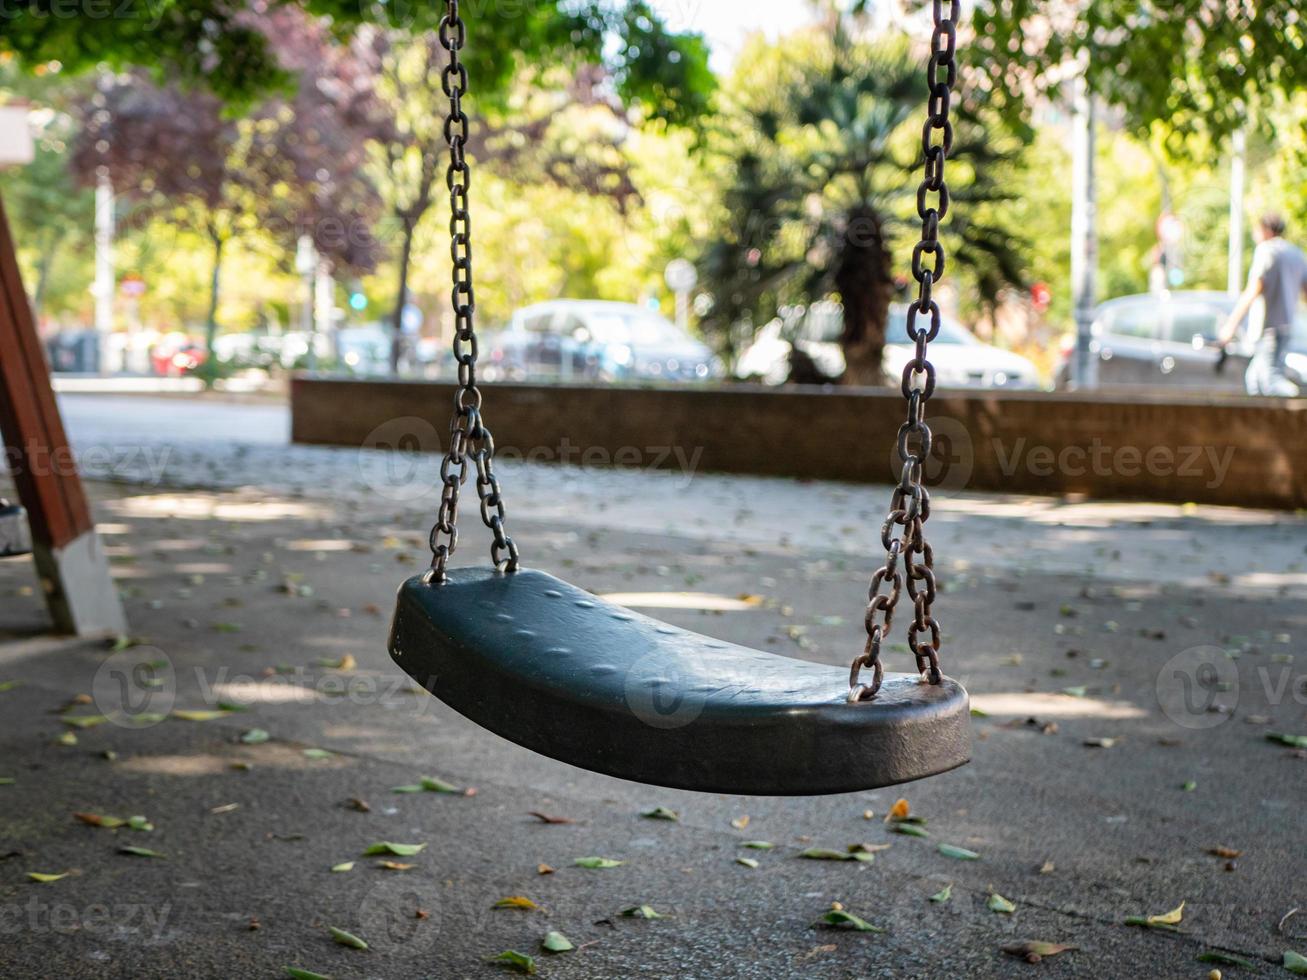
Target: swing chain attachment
x=910, y=503
x=469, y=437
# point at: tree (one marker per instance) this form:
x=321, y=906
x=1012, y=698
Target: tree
x=286, y=169
x=1189, y=65
x=823, y=156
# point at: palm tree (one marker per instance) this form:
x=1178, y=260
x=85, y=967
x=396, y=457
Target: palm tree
x=822, y=151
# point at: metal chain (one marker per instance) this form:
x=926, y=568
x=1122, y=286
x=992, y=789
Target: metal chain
x=910, y=503
x=469, y=438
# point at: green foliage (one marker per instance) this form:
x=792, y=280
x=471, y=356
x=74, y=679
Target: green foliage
x=1192, y=65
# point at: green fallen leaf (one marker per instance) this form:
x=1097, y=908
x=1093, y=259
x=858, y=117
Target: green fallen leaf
x=517, y=902
x=433, y=785
x=979, y=713
x=144, y=852
x=389, y=847
x=227, y=627
x=758, y=845
x=8, y=685
x=839, y=919
x=347, y=938
x=295, y=973
x=6, y=780
x=1293, y=741
x=1224, y=959
x=661, y=813
x=997, y=903
x=641, y=912
x=67, y=738
x=45, y=879
x=343, y=867
x=187, y=714
x=597, y=862
x=1295, y=962
x=961, y=853
x=1075, y=692
x=255, y=736
x=556, y=942
x=943, y=895
x=84, y=721
x=514, y=960
x=827, y=854
x=317, y=754
x=747, y=862
x=910, y=829
x=1188, y=786
x=143, y=720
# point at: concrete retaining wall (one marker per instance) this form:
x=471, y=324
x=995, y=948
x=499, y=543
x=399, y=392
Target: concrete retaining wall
x=1240, y=451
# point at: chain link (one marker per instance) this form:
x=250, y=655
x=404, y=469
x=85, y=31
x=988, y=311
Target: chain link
x=910, y=503
x=469, y=438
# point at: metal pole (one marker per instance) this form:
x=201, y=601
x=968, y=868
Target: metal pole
x=1084, y=243
x=104, y=235
x=1234, y=277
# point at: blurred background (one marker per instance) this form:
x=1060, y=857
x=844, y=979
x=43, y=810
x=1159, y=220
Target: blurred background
x=670, y=192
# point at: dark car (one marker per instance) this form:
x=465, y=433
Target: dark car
x=1168, y=340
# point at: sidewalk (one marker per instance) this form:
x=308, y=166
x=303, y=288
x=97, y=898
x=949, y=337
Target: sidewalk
x=247, y=569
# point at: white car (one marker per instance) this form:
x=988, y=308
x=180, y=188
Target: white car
x=813, y=337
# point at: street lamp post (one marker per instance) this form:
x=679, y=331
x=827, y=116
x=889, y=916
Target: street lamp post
x=1084, y=243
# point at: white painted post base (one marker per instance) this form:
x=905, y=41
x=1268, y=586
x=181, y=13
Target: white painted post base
x=79, y=590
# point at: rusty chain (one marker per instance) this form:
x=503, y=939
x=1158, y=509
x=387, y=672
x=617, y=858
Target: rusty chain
x=910, y=503
x=469, y=438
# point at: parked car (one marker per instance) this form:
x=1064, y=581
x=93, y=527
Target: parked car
x=596, y=340
x=805, y=346
x=1167, y=339
x=176, y=355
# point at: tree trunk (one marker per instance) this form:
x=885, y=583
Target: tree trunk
x=862, y=276
x=401, y=295
x=209, y=371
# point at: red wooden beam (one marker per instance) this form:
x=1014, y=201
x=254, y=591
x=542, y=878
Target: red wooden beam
x=69, y=558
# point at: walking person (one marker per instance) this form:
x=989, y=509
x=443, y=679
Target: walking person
x=1278, y=278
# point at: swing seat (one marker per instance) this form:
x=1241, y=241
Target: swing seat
x=566, y=674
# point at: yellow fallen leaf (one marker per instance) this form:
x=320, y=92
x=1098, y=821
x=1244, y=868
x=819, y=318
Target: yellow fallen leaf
x=395, y=866
x=517, y=902
x=347, y=662
x=1168, y=919
x=899, y=811
x=44, y=878
x=739, y=823
x=545, y=869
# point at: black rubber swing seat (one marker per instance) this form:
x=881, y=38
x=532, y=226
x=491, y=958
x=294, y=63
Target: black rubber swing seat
x=566, y=674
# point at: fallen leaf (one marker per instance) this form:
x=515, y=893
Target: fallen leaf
x=899, y=811
x=840, y=919
x=343, y=867
x=515, y=961
x=556, y=942
x=910, y=829
x=255, y=736
x=1168, y=918
x=84, y=721
x=399, y=850
x=1293, y=741
x=758, y=845
x=1224, y=852
x=67, y=738
x=641, y=912
x=546, y=818
x=6, y=780
x=739, y=823
x=1032, y=950
x=317, y=754
x=347, y=938
x=100, y=820
x=517, y=902
x=202, y=715
x=295, y=973
x=747, y=862
x=395, y=866
x=1075, y=692
x=45, y=879
x=827, y=854
x=144, y=852
x=943, y=895
x=997, y=903
x=961, y=853
x=661, y=813
x=597, y=862
x=1295, y=962
x=544, y=869
x=1100, y=743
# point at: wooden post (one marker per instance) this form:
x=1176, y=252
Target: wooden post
x=70, y=560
